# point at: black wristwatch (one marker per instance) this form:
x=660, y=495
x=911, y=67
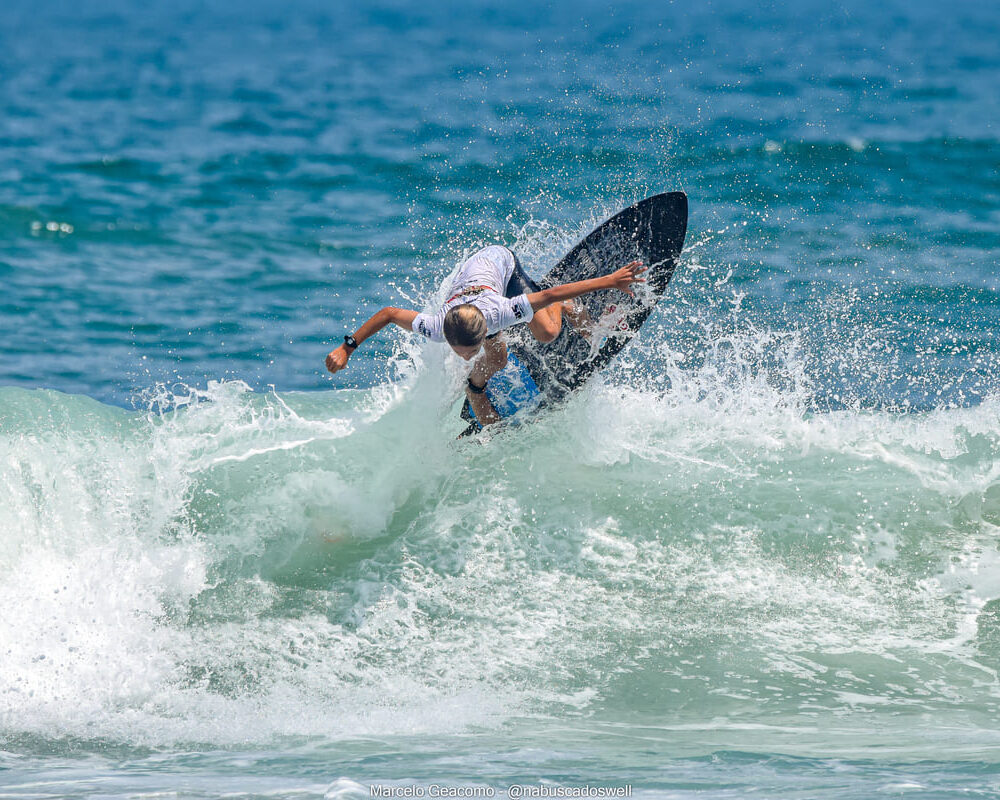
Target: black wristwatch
x=475, y=389
x=350, y=341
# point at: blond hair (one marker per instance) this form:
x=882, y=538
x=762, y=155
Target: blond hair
x=464, y=326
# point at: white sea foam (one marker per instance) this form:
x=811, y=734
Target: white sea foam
x=228, y=566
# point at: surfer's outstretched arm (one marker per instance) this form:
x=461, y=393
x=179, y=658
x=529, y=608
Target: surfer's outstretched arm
x=403, y=317
x=619, y=279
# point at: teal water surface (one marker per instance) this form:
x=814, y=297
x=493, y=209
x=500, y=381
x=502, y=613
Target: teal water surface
x=757, y=557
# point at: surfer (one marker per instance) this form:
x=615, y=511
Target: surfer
x=478, y=308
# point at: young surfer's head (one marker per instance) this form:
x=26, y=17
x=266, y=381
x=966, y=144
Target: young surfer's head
x=465, y=330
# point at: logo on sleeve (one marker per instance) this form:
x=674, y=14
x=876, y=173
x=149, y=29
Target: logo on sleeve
x=518, y=313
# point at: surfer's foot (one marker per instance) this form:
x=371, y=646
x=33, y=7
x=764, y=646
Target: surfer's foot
x=579, y=318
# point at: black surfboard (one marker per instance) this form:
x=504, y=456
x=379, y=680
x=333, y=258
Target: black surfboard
x=651, y=231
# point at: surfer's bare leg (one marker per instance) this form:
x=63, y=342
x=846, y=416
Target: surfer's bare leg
x=547, y=323
x=493, y=359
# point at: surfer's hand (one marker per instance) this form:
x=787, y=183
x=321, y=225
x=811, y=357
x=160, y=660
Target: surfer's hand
x=337, y=359
x=626, y=276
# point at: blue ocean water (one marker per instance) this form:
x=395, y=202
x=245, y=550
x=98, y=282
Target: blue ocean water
x=758, y=557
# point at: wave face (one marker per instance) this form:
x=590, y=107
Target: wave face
x=715, y=563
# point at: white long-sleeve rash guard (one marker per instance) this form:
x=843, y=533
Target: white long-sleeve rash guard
x=492, y=266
